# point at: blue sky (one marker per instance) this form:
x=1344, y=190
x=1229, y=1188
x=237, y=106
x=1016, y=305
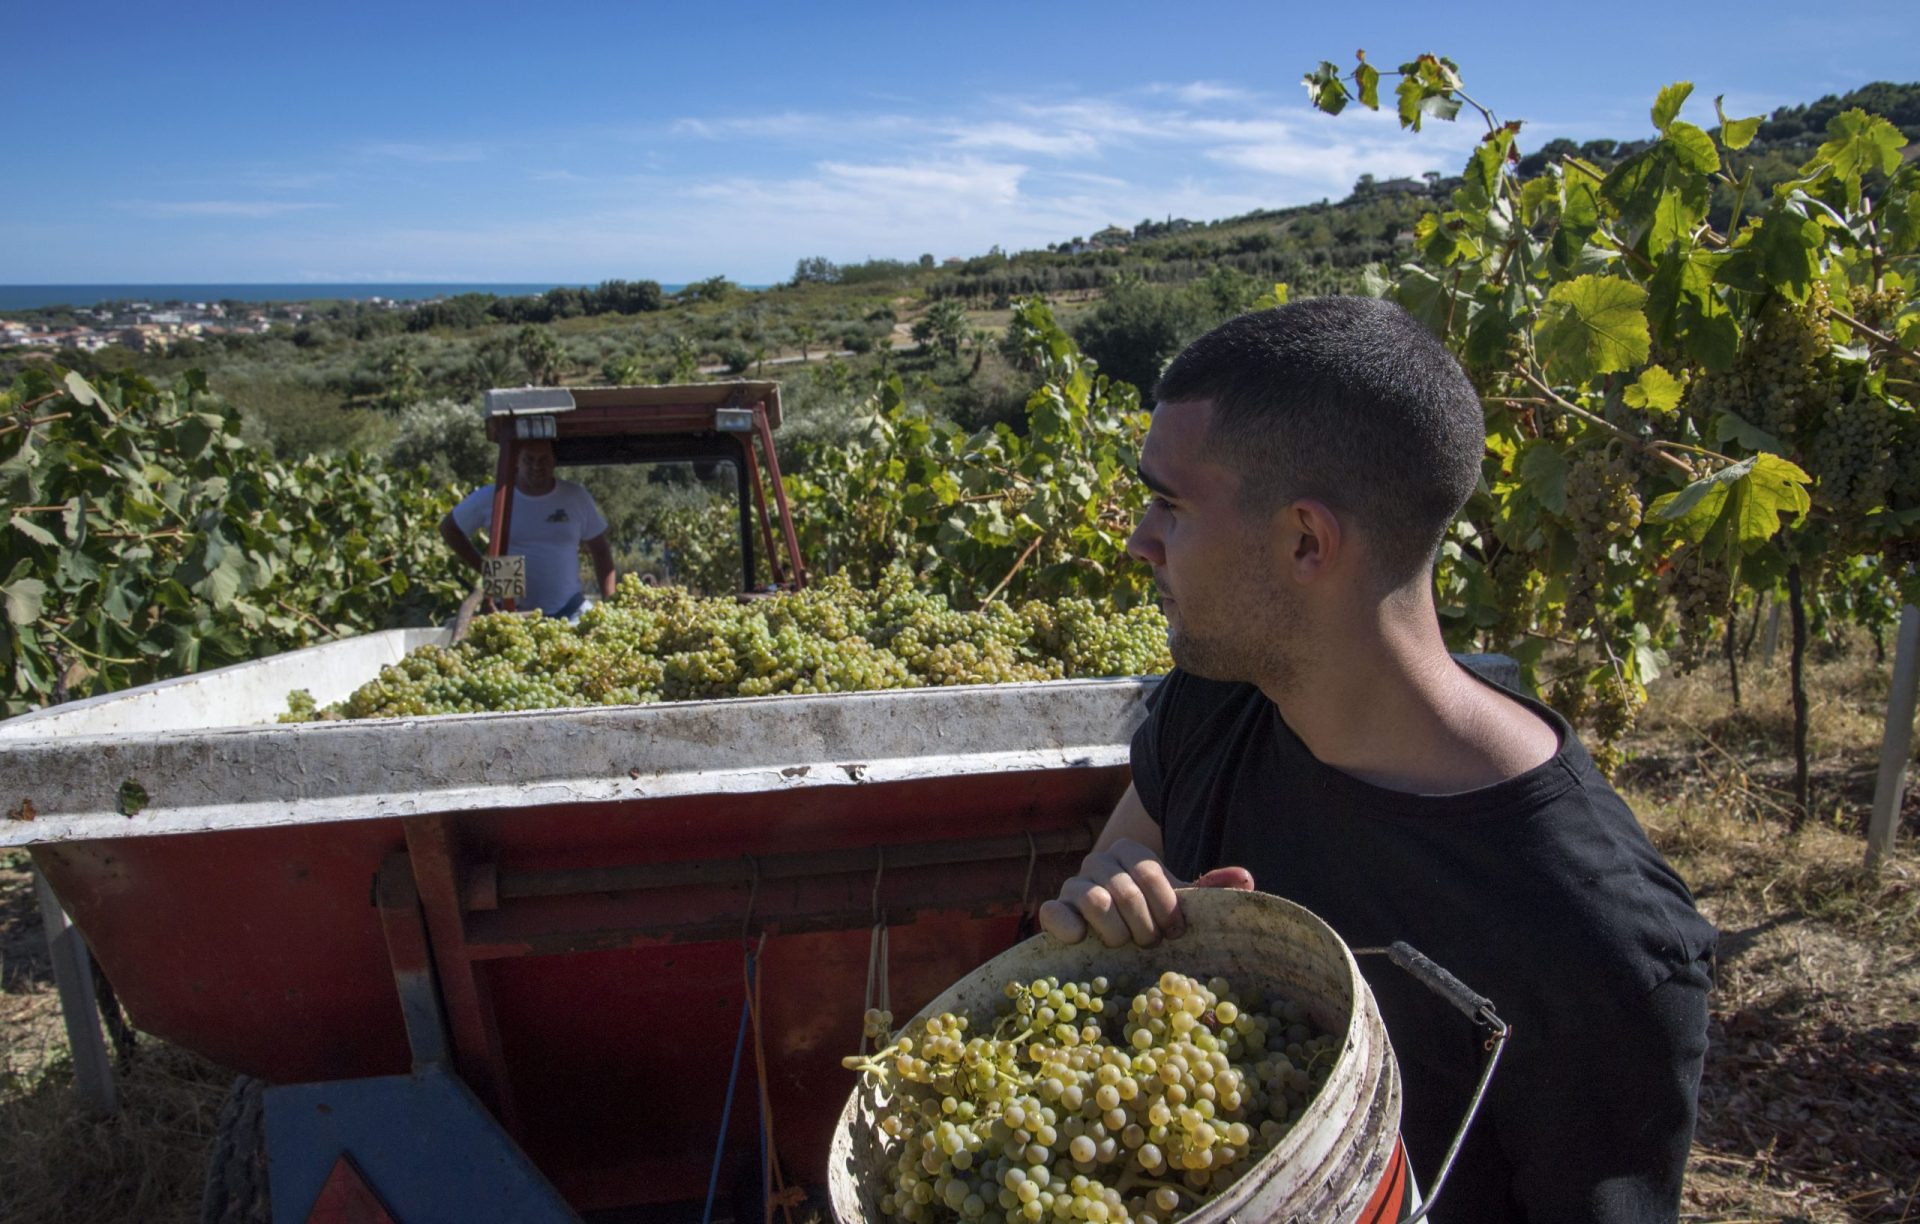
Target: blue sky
x=580, y=142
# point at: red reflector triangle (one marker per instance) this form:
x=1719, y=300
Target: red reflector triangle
x=347, y=1199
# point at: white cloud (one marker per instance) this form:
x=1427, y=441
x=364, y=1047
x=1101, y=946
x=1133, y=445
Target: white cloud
x=1097, y=117
x=746, y=195
x=791, y=126
x=931, y=182
x=1082, y=176
x=1199, y=93
x=1023, y=138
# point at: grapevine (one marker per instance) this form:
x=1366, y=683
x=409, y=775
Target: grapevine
x=1043, y=512
x=1066, y=1105
x=1683, y=407
x=144, y=539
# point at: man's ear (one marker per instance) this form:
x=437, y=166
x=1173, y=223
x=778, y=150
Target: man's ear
x=1313, y=539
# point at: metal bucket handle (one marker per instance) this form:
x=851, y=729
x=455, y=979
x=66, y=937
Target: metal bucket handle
x=1474, y=1007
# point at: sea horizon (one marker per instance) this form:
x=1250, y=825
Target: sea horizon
x=44, y=297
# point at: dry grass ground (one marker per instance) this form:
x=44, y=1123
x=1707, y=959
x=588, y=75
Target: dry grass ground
x=57, y=1165
x=1810, y=1109
x=1811, y=1101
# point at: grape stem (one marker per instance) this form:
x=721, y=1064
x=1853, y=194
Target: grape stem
x=1554, y=399
x=308, y=617
x=1878, y=337
x=29, y=424
x=1619, y=670
x=98, y=658
x=1453, y=300
x=1001, y=585
x=1699, y=450
x=1739, y=197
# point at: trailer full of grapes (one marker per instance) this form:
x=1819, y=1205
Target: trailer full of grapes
x=496, y=966
x=496, y=960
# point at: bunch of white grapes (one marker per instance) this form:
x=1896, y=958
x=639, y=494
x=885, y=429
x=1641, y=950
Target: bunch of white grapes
x=1603, y=508
x=1071, y=1106
x=667, y=644
x=1784, y=378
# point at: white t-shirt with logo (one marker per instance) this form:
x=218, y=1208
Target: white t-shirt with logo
x=547, y=530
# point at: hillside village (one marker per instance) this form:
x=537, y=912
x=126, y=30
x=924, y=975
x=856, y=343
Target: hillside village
x=153, y=327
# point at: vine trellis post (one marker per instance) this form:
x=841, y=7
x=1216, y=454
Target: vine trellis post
x=1898, y=743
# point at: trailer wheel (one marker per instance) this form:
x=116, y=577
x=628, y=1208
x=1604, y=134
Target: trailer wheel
x=236, y=1187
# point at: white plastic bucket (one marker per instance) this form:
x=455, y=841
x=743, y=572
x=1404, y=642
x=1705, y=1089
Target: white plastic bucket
x=1342, y=1162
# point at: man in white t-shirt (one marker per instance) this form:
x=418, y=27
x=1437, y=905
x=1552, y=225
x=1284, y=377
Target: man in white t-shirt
x=552, y=521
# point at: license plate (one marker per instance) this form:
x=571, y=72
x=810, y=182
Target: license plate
x=504, y=577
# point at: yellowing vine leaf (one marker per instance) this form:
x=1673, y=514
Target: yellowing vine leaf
x=1593, y=325
x=1656, y=390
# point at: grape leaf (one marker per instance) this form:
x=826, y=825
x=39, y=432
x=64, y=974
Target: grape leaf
x=1735, y=133
x=1677, y=211
x=1729, y=427
x=1424, y=296
x=1368, y=78
x=25, y=599
x=1692, y=147
x=1543, y=468
x=1857, y=144
x=1737, y=508
x=1666, y=107
x=1536, y=196
x=82, y=390
x=1775, y=487
x=1593, y=325
x=1683, y=307
x=1695, y=509
x=1655, y=389
x=1661, y=190
x=1647, y=660
x=1426, y=89
x=1324, y=86
x=34, y=531
x=1780, y=250
x=1374, y=282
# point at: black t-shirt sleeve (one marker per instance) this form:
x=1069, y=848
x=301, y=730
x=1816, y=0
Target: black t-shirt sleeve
x=1607, y=1141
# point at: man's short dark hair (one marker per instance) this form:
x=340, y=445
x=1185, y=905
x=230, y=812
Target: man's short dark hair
x=1347, y=400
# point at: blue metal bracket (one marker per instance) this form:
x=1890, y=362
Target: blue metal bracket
x=423, y=1142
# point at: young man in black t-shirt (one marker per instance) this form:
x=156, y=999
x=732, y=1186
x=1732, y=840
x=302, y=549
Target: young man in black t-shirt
x=1316, y=740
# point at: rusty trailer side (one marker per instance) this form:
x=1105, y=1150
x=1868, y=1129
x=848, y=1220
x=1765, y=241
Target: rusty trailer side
x=586, y=883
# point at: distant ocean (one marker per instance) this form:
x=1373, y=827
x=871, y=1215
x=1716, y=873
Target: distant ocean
x=29, y=297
